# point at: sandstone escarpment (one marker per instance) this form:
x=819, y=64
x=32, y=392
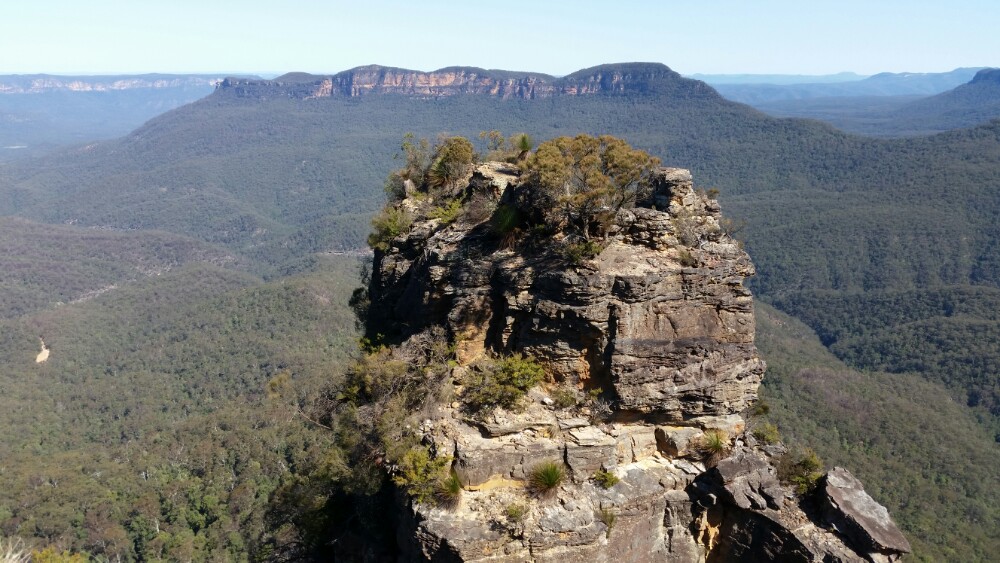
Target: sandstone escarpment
x=652, y=339
x=452, y=81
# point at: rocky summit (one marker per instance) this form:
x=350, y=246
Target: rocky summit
x=648, y=348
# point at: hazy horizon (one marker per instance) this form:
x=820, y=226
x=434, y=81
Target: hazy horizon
x=774, y=37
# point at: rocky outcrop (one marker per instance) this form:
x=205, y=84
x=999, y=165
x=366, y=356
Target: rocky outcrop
x=653, y=339
x=452, y=81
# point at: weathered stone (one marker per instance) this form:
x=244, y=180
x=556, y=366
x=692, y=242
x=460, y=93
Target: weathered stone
x=854, y=513
x=667, y=338
x=678, y=441
x=587, y=450
x=661, y=322
x=749, y=481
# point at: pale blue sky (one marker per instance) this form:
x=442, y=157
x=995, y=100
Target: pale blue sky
x=690, y=36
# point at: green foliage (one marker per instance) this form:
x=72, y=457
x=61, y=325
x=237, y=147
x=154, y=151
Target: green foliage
x=52, y=555
x=686, y=258
x=714, y=445
x=422, y=475
x=767, y=433
x=516, y=512
x=578, y=179
x=501, y=382
x=605, y=479
x=159, y=412
x=448, y=212
x=879, y=426
x=452, y=159
x=760, y=408
x=388, y=224
x=576, y=253
x=449, y=491
x=607, y=516
x=512, y=149
x=544, y=479
x=505, y=219
x=801, y=471
x=565, y=398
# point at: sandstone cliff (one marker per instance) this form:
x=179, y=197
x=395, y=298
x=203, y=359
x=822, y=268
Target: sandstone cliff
x=451, y=81
x=655, y=334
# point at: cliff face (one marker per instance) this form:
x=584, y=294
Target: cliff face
x=373, y=79
x=657, y=325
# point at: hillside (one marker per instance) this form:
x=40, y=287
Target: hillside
x=272, y=174
x=968, y=105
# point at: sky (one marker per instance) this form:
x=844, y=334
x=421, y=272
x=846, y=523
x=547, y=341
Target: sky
x=554, y=37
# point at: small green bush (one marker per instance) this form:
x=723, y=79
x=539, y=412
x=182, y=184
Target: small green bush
x=606, y=479
x=564, y=398
x=388, y=224
x=577, y=252
x=761, y=408
x=545, y=478
x=419, y=474
x=516, y=513
x=802, y=472
x=502, y=382
x=449, y=491
x=767, y=433
x=687, y=259
x=447, y=213
x=452, y=159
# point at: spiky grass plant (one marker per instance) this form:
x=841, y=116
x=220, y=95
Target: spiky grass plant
x=714, y=445
x=449, y=491
x=608, y=517
x=545, y=478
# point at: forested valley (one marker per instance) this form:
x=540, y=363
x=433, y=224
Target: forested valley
x=190, y=282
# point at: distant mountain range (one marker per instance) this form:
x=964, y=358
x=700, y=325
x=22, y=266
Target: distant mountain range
x=41, y=111
x=883, y=84
x=967, y=105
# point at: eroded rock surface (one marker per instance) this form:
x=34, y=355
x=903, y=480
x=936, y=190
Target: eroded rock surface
x=657, y=330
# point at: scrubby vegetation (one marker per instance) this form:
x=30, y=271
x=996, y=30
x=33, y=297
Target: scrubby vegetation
x=767, y=433
x=580, y=183
x=501, y=382
x=800, y=470
x=606, y=479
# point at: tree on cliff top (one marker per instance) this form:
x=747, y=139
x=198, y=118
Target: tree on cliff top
x=582, y=182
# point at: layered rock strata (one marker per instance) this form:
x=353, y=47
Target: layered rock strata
x=452, y=81
x=653, y=337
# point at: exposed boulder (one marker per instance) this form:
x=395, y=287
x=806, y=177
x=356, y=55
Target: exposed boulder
x=853, y=512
